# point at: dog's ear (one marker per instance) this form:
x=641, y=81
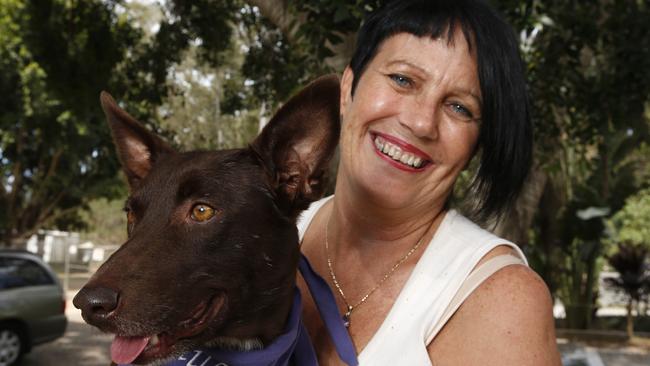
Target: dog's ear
x=137, y=148
x=298, y=143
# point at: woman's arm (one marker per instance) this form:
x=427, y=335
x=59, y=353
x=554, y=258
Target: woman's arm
x=507, y=320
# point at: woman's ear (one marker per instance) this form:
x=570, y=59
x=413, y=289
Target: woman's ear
x=346, y=89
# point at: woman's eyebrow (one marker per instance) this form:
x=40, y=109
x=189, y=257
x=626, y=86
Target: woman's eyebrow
x=407, y=63
x=462, y=91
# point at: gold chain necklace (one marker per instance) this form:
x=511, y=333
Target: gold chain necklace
x=350, y=308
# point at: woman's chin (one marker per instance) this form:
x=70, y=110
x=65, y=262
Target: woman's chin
x=383, y=191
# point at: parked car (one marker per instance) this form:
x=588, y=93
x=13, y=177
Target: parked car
x=32, y=305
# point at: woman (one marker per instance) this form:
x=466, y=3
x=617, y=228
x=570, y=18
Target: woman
x=431, y=85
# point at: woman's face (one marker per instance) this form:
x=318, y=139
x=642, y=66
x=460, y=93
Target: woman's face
x=413, y=122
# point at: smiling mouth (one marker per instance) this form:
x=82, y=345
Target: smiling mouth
x=147, y=348
x=398, y=154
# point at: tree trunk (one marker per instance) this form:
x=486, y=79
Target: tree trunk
x=516, y=222
x=592, y=278
x=630, y=319
x=550, y=205
x=342, y=52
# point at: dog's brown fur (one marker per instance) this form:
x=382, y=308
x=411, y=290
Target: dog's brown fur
x=231, y=278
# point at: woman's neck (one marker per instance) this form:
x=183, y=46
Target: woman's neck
x=359, y=221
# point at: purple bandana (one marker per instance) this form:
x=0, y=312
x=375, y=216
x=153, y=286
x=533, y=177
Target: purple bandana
x=329, y=312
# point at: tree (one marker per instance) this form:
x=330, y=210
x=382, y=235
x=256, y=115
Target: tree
x=630, y=263
x=56, y=56
x=588, y=108
x=630, y=224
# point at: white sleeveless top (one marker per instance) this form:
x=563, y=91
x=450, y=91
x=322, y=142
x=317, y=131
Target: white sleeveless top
x=441, y=280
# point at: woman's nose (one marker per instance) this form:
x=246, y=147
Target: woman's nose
x=421, y=119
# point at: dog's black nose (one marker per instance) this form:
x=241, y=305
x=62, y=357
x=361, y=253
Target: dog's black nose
x=95, y=303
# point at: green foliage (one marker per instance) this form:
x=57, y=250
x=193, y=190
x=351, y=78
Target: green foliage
x=278, y=62
x=55, y=151
x=106, y=221
x=589, y=101
x=220, y=106
x=632, y=223
x=182, y=23
x=272, y=66
x=56, y=56
x=326, y=24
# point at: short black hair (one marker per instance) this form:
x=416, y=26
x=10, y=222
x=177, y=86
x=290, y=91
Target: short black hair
x=506, y=133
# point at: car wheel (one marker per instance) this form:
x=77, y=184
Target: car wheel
x=11, y=346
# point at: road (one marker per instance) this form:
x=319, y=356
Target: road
x=574, y=354
x=81, y=346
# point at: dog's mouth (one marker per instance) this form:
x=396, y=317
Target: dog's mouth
x=143, y=349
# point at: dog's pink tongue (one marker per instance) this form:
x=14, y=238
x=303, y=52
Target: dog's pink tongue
x=125, y=350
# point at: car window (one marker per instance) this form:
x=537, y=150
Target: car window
x=19, y=272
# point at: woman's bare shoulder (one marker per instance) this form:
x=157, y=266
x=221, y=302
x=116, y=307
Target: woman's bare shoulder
x=507, y=320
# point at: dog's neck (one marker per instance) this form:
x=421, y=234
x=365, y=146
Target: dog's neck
x=260, y=326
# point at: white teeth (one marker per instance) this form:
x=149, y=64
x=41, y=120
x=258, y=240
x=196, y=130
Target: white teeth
x=396, y=153
x=154, y=340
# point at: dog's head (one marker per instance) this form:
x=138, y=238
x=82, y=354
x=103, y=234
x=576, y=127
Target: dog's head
x=212, y=249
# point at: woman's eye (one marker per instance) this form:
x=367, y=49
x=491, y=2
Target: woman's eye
x=202, y=213
x=460, y=110
x=401, y=80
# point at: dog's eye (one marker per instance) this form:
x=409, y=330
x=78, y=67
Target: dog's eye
x=202, y=212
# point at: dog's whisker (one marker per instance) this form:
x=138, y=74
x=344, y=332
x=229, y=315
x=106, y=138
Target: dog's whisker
x=127, y=326
x=202, y=276
x=166, y=309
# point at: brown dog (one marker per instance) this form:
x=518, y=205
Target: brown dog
x=212, y=248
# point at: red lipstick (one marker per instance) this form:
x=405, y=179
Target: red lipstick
x=405, y=148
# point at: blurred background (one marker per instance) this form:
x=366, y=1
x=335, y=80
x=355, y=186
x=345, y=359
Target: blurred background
x=209, y=74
